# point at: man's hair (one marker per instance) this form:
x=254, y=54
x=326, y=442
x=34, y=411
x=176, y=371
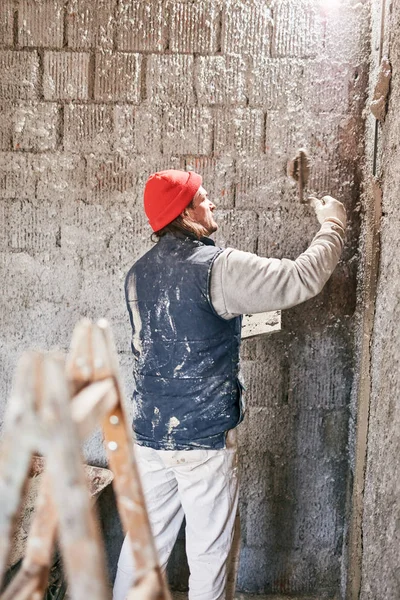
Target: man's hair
x=181, y=225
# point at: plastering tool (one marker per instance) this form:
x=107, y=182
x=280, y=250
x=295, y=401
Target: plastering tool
x=299, y=169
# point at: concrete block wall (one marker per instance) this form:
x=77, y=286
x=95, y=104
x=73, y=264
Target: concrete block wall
x=96, y=95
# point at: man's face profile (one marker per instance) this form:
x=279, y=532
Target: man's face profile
x=202, y=210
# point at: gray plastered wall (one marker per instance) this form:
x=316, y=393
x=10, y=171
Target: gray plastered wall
x=94, y=96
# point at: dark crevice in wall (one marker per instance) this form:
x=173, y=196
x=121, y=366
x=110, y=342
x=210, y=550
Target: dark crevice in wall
x=15, y=27
x=91, y=78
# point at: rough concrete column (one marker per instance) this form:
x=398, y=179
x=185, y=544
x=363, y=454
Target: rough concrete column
x=380, y=523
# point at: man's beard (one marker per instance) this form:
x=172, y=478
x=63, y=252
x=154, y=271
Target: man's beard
x=211, y=228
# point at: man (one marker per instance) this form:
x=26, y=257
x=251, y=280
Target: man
x=185, y=299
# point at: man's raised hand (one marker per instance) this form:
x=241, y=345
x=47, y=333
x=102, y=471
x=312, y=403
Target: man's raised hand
x=329, y=209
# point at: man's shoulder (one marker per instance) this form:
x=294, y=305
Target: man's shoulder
x=140, y=261
x=176, y=250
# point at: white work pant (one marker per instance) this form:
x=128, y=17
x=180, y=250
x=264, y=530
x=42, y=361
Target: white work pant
x=201, y=485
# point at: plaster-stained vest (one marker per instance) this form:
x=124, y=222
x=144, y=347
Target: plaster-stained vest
x=186, y=357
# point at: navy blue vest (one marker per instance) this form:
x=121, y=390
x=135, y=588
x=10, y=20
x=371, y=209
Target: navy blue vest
x=186, y=358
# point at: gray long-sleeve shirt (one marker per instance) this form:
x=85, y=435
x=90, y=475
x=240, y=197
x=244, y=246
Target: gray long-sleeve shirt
x=242, y=282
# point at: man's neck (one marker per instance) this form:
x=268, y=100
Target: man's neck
x=185, y=233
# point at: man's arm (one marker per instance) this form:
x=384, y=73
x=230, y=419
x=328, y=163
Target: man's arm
x=242, y=282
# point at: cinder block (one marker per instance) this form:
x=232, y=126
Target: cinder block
x=283, y=136
x=61, y=176
x=325, y=149
x=246, y=28
x=239, y=130
x=124, y=235
x=3, y=233
x=276, y=83
x=266, y=382
x=257, y=183
x=218, y=177
x=111, y=178
x=314, y=382
x=18, y=75
x=130, y=240
x=220, y=80
x=85, y=229
x=284, y=570
x=169, y=79
x=40, y=23
x=30, y=227
x=117, y=77
x=345, y=34
x=124, y=126
x=101, y=295
x=249, y=349
x=335, y=433
x=90, y=23
x=237, y=229
x=318, y=525
x=318, y=475
x=43, y=326
x=138, y=129
x=6, y=125
x=35, y=127
x=263, y=347
x=141, y=26
x=10, y=352
x=281, y=236
x=310, y=427
x=268, y=427
x=17, y=176
x=260, y=515
x=187, y=131
x=88, y=127
x=194, y=26
x=327, y=86
x=297, y=29
x=298, y=577
x=66, y=75
x=7, y=23
x=8, y=360
x=255, y=476
x=48, y=276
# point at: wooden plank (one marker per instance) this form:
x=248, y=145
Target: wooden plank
x=18, y=443
x=92, y=404
x=87, y=360
x=128, y=488
x=82, y=550
x=261, y=323
x=33, y=575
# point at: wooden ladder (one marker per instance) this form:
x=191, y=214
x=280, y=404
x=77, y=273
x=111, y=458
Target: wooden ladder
x=55, y=404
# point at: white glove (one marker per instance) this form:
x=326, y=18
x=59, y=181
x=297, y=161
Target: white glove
x=329, y=209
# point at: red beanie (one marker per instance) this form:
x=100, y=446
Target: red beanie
x=167, y=194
